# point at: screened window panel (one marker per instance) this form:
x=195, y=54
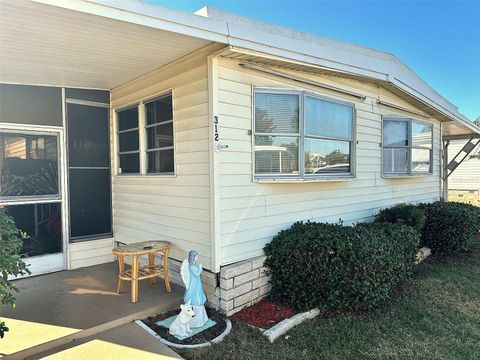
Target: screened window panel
x=43, y=225
x=395, y=160
x=160, y=136
x=422, y=135
x=90, y=202
x=421, y=160
x=88, y=136
x=328, y=119
x=28, y=165
x=395, y=133
x=327, y=156
x=129, y=163
x=276, y=113
x=160, y=161
x=276, y=155
x=159, y=110
x=127, y=119
x=128, y=141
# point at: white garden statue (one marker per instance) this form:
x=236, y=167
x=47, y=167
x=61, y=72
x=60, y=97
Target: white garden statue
x=181, y=325
x=194, y=294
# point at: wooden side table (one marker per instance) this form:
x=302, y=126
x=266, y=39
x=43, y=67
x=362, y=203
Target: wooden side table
x=136, y=273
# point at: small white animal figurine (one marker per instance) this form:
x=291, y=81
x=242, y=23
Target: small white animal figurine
x=181, y=325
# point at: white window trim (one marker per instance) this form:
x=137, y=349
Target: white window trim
x=37, y=130
x=410, y=173
x=301, y=177
x=142, y=132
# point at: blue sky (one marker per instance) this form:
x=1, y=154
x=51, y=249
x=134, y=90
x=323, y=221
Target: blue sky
x=439, y=40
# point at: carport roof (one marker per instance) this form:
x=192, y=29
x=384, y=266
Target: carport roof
x=104, y=43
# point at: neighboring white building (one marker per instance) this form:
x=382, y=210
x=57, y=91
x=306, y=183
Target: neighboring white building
x=211, y=130
x=464, y=183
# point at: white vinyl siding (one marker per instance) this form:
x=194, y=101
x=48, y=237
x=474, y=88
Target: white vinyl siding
x=175, y=208
x=88, y=253
x=252, y=213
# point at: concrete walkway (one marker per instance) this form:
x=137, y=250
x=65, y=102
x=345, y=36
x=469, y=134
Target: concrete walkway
x=127, y=341
x=63, y=310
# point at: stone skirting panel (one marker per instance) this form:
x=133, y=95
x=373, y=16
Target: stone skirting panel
x=236, y=286
x=242, y=284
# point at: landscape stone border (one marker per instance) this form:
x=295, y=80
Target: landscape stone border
x=216, y=340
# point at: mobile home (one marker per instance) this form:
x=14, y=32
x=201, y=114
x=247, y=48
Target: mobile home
x=125, y=121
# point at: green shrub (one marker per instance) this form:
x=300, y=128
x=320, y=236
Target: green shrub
x=410, y=215
x=10, y=262
x=334, y=266
x=450, y=227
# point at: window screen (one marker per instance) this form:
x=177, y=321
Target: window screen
x=89, y=172
x=28, y=165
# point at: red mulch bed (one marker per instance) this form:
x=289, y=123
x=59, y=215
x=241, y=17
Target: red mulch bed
x=264, y=314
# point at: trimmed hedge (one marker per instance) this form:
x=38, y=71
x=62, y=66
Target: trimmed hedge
x=410, y=215
x=450, y=227
x=334, y=266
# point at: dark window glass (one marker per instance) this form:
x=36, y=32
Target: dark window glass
x=159, y=110
x=128, y=141
x=88, y=136
x=90, y=202
x=160, y=161
x=327, y=156
x=160, y=136
x=128, y=119
x=28, y=165
x=43, y=225
x=129, y=163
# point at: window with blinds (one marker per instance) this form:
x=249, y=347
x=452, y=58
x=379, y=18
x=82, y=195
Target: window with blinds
x=300, y=135
x=407, y=147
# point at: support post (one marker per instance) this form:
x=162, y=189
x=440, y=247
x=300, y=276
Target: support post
x=445, y=170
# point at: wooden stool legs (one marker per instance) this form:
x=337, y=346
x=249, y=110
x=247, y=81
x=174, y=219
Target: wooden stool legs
x=151, y=262
x=165, y=270
x=134, y=295
x=121, y=267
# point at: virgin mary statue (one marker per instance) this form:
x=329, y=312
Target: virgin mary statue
x=190, y=272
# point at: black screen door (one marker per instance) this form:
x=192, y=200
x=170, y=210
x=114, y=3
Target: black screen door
x=89, y=172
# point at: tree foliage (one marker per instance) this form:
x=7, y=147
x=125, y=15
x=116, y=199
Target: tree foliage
x=11, y=263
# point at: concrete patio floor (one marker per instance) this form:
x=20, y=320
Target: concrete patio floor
x=67, y=306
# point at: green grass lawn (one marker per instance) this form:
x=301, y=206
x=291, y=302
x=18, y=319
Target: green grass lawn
x=436, y=315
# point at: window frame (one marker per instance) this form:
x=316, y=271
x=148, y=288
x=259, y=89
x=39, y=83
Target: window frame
x=148, y=126
x=117, y=139
x=142, y=133
x=301, y=136
x=409, y=147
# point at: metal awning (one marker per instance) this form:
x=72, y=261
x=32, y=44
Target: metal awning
x=454, y=126
x=50, y=45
